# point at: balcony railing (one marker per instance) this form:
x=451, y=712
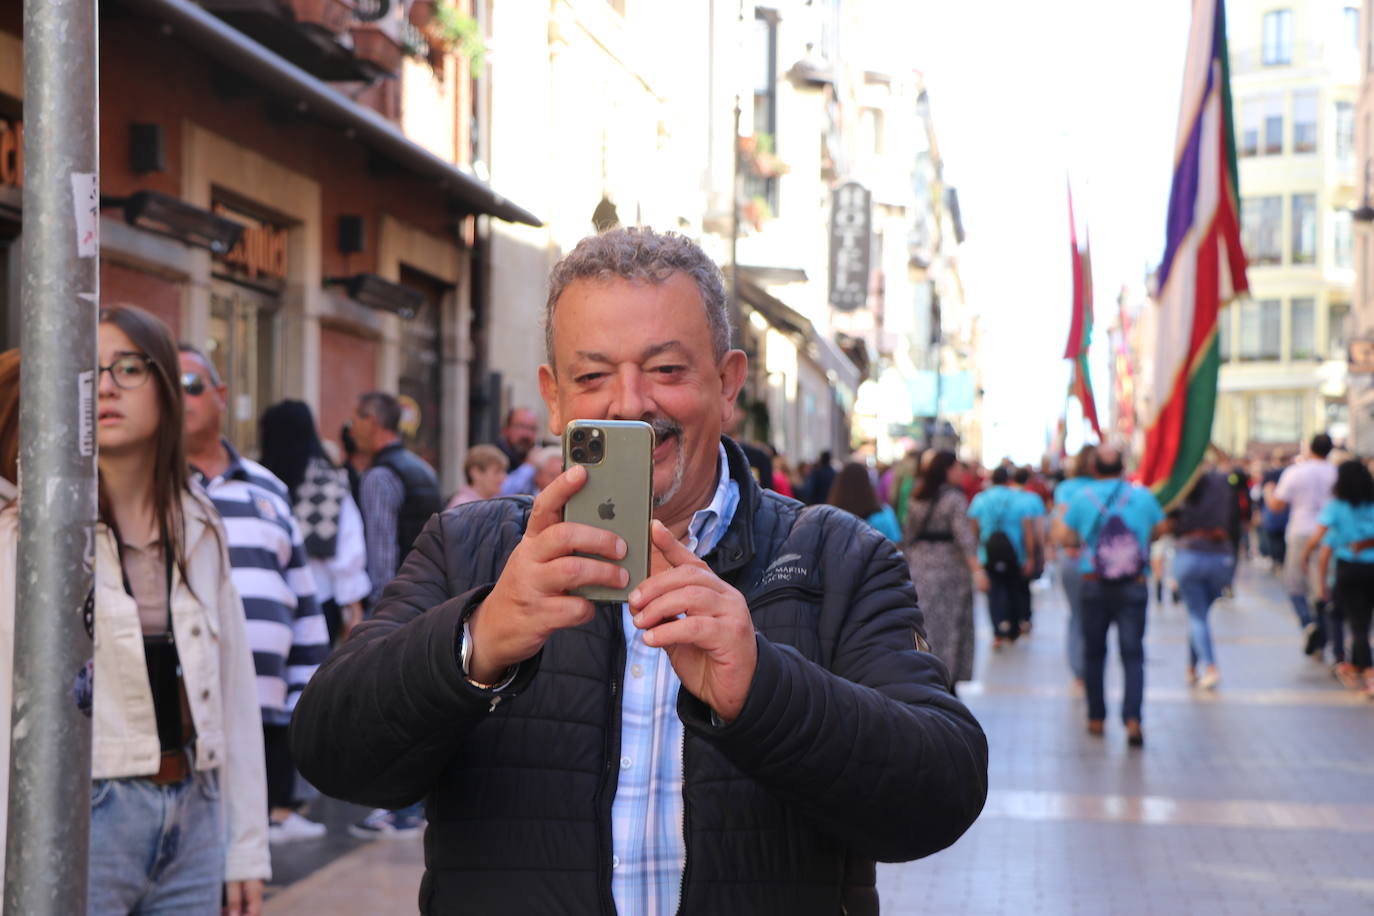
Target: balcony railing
x=1334, y=55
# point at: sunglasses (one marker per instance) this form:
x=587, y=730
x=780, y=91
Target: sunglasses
x=192, y=384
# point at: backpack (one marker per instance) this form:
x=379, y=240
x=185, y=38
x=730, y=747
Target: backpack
x=1002, y=562
x=1117, y=553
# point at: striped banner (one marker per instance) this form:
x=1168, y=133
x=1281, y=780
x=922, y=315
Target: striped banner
x=1203, y=267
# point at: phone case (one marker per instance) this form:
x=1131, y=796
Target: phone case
x=618, y=495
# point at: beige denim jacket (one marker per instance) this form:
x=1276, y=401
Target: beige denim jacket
x=217, y=667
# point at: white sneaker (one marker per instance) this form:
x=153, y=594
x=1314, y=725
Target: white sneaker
x=295, y=828
x=385, y=824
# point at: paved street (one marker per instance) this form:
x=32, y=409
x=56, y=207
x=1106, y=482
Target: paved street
x=1256, y=799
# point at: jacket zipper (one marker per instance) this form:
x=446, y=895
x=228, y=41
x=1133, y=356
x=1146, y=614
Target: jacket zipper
x=686, y=853
x=612, y=755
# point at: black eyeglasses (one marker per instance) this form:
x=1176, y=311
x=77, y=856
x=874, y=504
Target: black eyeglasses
x=128, y=371
x=192, y=384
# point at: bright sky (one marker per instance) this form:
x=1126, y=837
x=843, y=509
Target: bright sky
x=1022, y=93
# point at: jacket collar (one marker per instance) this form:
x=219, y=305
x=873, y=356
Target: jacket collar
x=735, y=550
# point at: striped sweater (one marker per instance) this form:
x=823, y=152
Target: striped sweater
x=286, y=629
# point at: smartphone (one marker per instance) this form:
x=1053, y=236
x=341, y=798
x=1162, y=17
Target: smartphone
x=618, y=494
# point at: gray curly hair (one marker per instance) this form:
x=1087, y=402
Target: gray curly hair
x=641, y=255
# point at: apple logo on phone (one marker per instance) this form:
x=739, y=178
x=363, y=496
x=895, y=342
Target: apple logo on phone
x=606, y=510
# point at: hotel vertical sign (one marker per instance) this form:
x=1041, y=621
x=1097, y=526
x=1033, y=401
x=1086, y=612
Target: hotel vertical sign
x=851, y=232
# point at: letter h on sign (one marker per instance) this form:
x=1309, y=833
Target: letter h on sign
x=851, y=233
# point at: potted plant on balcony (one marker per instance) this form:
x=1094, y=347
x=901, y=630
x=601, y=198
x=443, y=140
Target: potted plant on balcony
x=330, y=15
x=759, y=157
x=452, y=31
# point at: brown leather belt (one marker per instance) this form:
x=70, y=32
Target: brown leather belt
x=174, y=767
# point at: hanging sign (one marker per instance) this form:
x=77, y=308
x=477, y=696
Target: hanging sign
x=851, y=232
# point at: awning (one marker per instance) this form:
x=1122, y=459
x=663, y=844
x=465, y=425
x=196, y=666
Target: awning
x=231, y=47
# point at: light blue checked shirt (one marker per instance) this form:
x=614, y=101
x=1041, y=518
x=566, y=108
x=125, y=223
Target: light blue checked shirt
x=646, y=815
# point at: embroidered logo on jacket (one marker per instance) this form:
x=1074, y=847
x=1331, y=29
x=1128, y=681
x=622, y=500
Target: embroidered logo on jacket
x=784, y=569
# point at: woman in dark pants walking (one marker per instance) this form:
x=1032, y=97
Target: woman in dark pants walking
x=1345, y=529
x=1204, y=565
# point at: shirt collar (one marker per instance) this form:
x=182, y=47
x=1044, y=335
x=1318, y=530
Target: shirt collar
x=234, y=470
x=709, y=524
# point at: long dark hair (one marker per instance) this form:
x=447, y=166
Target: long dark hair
x=289, y=441
x=1354, y=484
x=853, y=491
x=170, y=469
x=935, y=476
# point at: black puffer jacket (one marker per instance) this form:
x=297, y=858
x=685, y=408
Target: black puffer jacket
x=849, y=749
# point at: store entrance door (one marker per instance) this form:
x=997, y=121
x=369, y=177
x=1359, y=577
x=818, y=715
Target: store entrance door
x=245, y=348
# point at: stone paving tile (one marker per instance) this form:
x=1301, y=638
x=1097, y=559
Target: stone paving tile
x=1259, y=799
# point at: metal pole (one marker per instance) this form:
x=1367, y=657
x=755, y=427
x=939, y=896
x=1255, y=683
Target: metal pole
x=50, y=759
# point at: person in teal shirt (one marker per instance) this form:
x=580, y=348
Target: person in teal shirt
x=1345, y=528
x=1066, y=566
x=1108, y=602
x=1001, y=508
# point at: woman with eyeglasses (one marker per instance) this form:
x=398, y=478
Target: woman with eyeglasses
x=178, y=792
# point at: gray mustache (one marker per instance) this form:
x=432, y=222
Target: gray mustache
x=664, y=428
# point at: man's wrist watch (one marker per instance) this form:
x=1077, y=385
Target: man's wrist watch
x=465, y=660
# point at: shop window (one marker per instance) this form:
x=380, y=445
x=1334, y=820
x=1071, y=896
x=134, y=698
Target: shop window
x=1278, y=38
x=1342, y=239
x=421, y=383
x=761, y=188
x=1305, y=121
x=1302, y=329
x=1262, y=229
x=1345, y=130
x=243, y=345
x=1304, y=228
x=1247, y=144
x=1338, y=313
x=1273, y=125
x=1276, y=418
x=1261, y=329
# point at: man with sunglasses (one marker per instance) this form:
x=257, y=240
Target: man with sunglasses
x=286, y=628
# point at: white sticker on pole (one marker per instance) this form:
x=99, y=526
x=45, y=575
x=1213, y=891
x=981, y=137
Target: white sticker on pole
x=85, y=387
x=86, y=200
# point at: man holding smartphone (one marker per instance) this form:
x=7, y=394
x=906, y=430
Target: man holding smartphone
x=755, y=727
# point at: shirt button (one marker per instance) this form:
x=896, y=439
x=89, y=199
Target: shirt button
x=205, y=694
x=637, y=670
x=625, y=763
x=195, y=631
x=615, y=861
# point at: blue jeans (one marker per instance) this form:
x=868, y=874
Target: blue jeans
x=156, y=849
x=1072, y=578
x=1201, y=577
x=1008, y=605
x=1123, y=604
